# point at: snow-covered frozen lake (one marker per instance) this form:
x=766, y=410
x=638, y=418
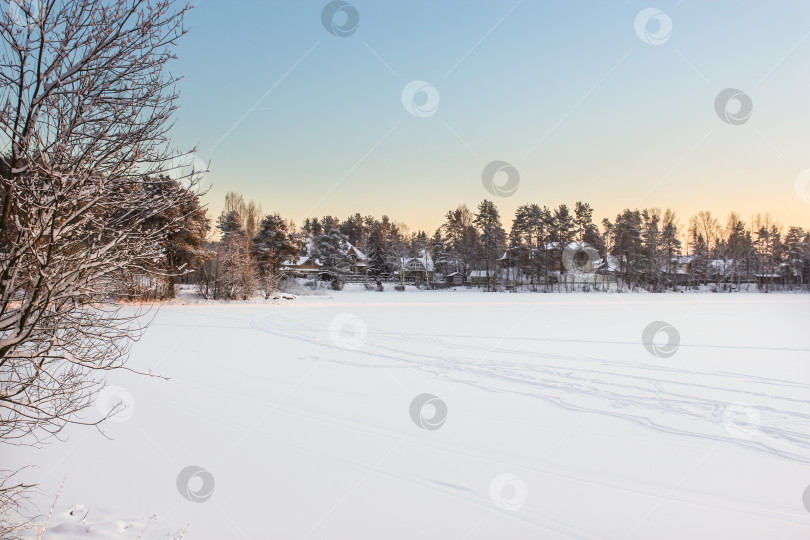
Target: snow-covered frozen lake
x=547, y=417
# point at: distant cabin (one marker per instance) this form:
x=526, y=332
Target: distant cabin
x=482, y=277
x=416, y=269
x=359, y=260
x=303, y=267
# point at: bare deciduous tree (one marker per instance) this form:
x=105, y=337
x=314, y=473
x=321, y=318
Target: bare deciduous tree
x=14, y=501
x=86, y=103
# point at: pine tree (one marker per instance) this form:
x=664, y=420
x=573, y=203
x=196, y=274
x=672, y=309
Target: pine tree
x=376, y=249
x=439, y=252
x=316, y=229
x=521, y=243
x=462, y=239
x=583, y=220
x=271, y=246
x=187, y=233
x=651, y=255
x=330, y=250
x=670, y=243
x=700, y=256
x=628, y=245
x=587, y=231
x=493, y=238
x=738, y=247
x=796, y=254
x=329, y=224
x=354, y=228
x=563, y=226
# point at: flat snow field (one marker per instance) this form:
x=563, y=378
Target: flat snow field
x=546, y=417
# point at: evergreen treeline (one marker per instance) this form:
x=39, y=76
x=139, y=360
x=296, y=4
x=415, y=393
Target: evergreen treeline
x=545, y=249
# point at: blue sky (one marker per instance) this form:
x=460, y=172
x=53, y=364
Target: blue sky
x=309, y=123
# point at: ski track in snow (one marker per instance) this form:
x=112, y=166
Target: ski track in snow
x=646, y=394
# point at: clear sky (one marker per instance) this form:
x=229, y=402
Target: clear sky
x=568, y=92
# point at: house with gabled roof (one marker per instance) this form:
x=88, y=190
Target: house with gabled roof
x=359, y=260
x=305, y=266
x=416, y=269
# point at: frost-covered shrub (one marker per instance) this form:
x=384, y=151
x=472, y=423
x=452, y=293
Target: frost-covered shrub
x=399, y=287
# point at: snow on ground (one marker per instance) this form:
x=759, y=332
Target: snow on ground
x=546, y=417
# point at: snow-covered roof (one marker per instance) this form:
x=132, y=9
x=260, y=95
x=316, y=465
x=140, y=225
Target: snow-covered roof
x=424, y=259
x=301, y=262
x=352, y=250
x=719, y=264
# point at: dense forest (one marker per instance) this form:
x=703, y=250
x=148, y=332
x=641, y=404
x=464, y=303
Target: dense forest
x=543, y=248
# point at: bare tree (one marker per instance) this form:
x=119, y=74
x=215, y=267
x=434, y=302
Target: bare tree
x=14, y=504
x=86, y=103
x=708, y=227
x=250, y=212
